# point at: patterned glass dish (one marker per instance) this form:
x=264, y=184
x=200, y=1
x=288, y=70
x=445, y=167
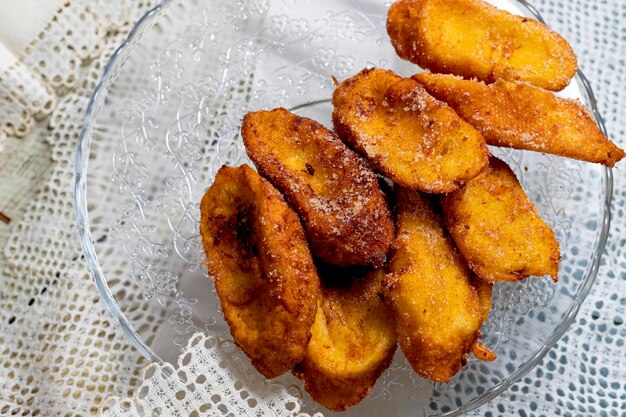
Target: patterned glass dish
x=166, y=116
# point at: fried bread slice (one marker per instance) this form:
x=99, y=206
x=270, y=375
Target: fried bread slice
x=438, y=309
x=518, y=115
x=497, y=228
x=474, y=39
x=344, y=211
x=264, y=273
x=412, y=138
x=353, y=340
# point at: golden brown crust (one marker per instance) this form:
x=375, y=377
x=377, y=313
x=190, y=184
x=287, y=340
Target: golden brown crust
x=344, y=211
x=498, y=229
x=474, y=39
x=438, y=311
x=353, y=342
x=483, y=353
x=521, y=116
x=412, y=138
x=264, y=274
x=484, y=291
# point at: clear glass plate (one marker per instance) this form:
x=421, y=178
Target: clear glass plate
x=166, y=116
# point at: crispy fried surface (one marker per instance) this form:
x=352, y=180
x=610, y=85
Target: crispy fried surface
x=414, y=139
x=264, y=274
x=345, y=213
x=521, y=116
x=484, y=290
x=474, y=39
x=438, y=311
x=498, y=229
x=353, y=341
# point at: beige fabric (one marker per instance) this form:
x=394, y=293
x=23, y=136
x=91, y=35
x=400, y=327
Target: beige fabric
x=43, y=62
x=24, y=22
x=60, y=351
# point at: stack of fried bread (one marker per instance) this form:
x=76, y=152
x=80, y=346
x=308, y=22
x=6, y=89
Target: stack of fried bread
x=392, y=228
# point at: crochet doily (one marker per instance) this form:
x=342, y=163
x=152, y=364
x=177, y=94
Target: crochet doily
x=196, y=386
x=52, y=64
x=62, y=354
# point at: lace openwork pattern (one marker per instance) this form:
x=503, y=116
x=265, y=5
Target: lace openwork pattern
x=63, y=354
x=212, y=378
x=51, y=65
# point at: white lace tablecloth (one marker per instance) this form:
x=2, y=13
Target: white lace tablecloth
x=62, y=354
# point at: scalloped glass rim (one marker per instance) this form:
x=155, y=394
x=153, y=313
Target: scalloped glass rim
x=82, y=158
